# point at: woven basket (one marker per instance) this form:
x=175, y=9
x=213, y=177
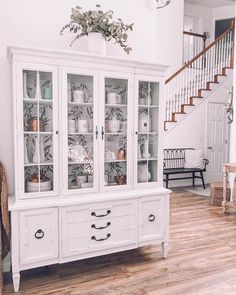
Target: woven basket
x=216, y=197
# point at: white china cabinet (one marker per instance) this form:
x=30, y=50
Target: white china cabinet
x=88, y=157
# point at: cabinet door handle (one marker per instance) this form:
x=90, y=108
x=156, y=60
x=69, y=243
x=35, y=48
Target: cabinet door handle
x=103, y=132
x=100, y=240
x=96, y=132
x=102, y=227
x=102, y=215
x=39, y=234
x=151, y=217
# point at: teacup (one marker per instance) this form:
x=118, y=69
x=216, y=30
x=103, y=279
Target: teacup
x=113, y=125
x=78, y=96
x=81, y=179
x=113, y=98
x=84, y=126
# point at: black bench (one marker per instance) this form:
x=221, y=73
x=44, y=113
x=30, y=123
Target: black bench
x=174, y=160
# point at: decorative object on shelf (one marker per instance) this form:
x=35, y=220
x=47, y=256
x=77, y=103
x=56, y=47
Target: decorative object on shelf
x=36, y=150
x=113, y=170
x=120, y=179
x=121, y=154
x=229, y=106
x=144, y=121
x=80, y=92
x=83, y=23
x=80, y=153
x=143, y=174
x=26, y=158
x=145, y=97
x=139, y=151
x=84, y=125
x=71, y=126
x=119, y=90
x=35, y=184
x=146, y=153
x=113, y=125
x=46, y=90
x=109, y=155
x=81, y=179
x=114, y=98
x=42, y=151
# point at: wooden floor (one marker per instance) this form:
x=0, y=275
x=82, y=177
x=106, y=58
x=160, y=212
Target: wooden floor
x=202, y=260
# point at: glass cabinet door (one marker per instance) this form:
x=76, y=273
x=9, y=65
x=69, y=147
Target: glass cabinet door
x=147, y=132
x=80, y=132
x=115, y=132
x=39, y=131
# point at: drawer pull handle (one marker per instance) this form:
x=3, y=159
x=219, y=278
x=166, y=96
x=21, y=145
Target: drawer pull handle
x=103, y=215
x=102, y=227
x=100, y=240
x=151, y=217
x=39, y=234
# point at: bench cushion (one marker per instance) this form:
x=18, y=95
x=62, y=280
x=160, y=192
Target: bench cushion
x=194, y=159
x=182, y=170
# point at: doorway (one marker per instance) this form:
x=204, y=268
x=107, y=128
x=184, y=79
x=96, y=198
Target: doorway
x=217, y=141
x=222, y=25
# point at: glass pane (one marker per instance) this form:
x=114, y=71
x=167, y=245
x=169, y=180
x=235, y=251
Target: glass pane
x=45, y=86
x=46, y=178
x=31, y=179
x=45, y=117
x=29, y=84
x=115, y=131
x=38, y=128
x=80, y=131
x=148, y=116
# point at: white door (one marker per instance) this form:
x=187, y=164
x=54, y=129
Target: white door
x=216, y=141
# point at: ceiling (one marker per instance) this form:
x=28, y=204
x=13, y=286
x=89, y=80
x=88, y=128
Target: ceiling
x=212, y=3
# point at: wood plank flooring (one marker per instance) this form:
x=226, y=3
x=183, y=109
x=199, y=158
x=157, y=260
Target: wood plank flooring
x=201, y=260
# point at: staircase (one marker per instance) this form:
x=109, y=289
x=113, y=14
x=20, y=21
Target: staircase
x=191, y=83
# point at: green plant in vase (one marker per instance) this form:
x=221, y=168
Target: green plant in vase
x=83, y=23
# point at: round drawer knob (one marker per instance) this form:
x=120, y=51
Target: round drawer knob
x=39, y=234
x=151, y=217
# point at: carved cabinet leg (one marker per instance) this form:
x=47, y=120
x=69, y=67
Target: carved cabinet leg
x=16, y=281
x=165, y=248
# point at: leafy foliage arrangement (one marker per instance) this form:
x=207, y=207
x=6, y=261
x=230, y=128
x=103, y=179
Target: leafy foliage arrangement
x=96, y=21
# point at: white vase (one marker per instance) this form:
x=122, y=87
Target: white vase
x=96, y=43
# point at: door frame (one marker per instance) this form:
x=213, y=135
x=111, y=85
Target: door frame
x=227, y=145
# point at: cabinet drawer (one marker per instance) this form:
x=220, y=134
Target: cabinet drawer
x=151, y=225
x=38, y=235
x=93, y=227
x=98, y=211
x=98, y=241
x=83, y=232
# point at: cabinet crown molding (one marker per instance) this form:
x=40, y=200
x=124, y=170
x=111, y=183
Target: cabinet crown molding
x=21, y=54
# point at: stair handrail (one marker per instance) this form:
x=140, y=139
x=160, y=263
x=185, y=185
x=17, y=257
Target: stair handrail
x=190, y=80
x=187, y=65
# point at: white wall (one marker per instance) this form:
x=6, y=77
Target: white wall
x=208, y=16
x=156, y=37
x=203, y=13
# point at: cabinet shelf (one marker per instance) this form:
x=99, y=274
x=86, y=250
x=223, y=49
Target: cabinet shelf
x=41, y=101
x=80, y=133
x=38, y=132
x=148, y=133
x=148, y=106
x=116, y=105
x=114, y=161
x=85, y=104
x=80, y=163
x=38, y=164
x=145, y=160
x=116, y=133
